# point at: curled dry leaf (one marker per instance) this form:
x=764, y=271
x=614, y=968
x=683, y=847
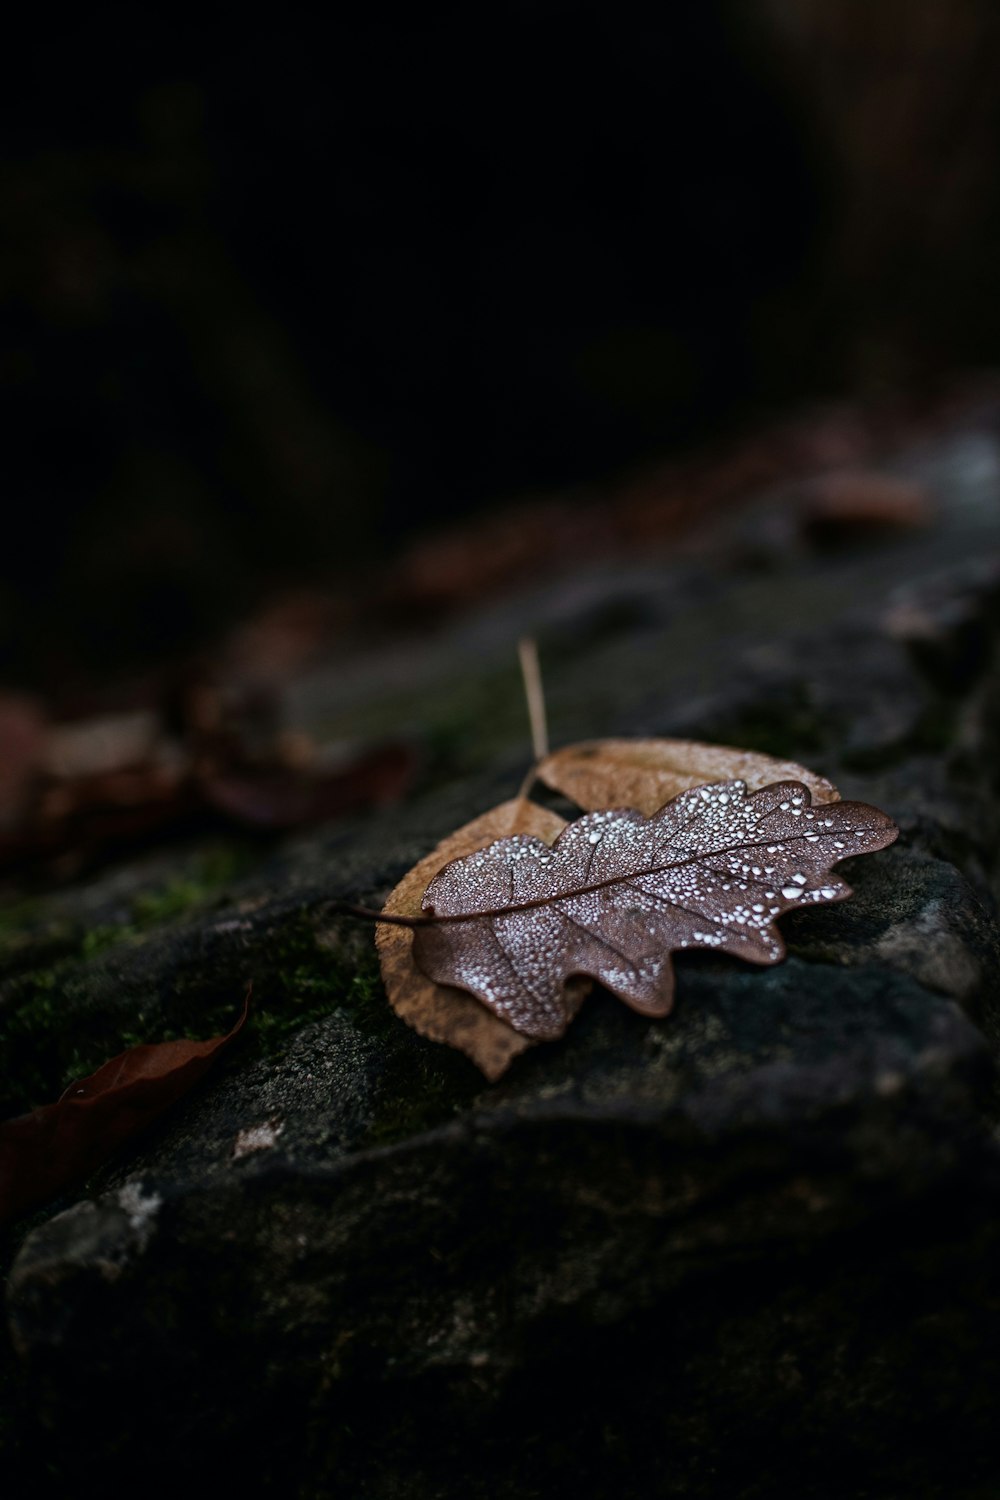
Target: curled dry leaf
x=439, y=1010
x=646, y=773
x=851, y=503
x=514, y=923
x=43, y=1152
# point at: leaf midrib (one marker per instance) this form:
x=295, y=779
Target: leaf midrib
x=584, y=890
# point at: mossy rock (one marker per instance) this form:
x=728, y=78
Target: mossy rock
x=731, y=1253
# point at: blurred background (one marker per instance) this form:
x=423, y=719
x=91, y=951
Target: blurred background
x=288, y=303
x=278, y=295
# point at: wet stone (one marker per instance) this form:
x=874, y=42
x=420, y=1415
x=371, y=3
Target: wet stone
x=748, y=1250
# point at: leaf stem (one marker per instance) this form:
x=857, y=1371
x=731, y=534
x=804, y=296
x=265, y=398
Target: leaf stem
x=369, y=914
x=531, y=672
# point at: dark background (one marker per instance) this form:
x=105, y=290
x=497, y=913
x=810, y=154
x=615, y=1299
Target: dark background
x=279, y=294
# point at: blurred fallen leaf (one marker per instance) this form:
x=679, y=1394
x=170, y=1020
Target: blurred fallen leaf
x=854, y=504
x=101, y=745
x=288, y=798
x=22, y=746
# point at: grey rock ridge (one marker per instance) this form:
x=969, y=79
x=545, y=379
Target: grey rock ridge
x=750, y=1250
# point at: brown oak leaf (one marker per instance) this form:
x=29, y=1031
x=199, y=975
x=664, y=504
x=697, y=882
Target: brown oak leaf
x=440, y=1011
x=647, y=773
x=513, y=923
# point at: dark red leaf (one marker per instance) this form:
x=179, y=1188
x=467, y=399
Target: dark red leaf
x=51, y=1148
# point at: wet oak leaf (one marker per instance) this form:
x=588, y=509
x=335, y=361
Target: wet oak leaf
x=514, y=923
x=440, y=1011
x=50, y=1149
x=646, y=773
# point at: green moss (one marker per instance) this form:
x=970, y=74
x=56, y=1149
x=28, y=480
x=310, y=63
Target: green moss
x=62, y=1021
x=303, y=995
x=61, y=1018
x=296, y=980
x=41, y=1056
x=35, y=932
x=15, y=917
x=30, y=934
x=419, y=1086
x=211, y=870
x=98, y=939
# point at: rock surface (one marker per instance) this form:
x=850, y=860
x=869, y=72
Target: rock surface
x=748, y=1251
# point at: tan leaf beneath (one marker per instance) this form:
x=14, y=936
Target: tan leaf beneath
x=440, y=1011
x=645, y=774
